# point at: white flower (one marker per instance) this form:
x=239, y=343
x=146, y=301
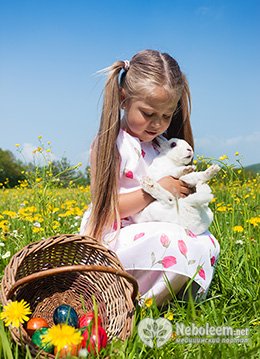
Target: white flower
x=37, y=224
x=2, y=244
x=239, y=242
x=6, y=255
x=83, y=353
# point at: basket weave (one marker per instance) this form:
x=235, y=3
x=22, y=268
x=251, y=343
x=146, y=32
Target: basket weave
x=69, y=269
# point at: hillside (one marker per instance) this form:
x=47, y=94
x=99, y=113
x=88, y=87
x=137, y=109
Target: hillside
x=253, y=168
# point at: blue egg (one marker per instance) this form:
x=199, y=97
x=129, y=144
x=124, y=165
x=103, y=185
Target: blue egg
x=66, y=314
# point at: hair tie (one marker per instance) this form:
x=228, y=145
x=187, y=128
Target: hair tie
x=126, y=65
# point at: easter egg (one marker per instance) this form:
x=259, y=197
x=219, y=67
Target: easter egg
x=95, y=339
x=67, y=350
x=87, y=318
x=66, y=314
x=37, y=340
x=34, y=324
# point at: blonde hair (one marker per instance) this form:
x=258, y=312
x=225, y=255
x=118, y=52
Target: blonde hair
x=147, y=70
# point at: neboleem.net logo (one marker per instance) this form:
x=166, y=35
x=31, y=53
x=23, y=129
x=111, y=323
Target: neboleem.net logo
x=157, y=332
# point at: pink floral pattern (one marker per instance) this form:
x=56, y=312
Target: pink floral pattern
x=155, y=248
x=212, y=260
x=202, y=273
x=165, y=241
x=168, y=261
x=139, y=235
x=191, y=234
x=129, y=174
x=182, y=247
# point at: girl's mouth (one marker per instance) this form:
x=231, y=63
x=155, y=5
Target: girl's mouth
x=151, y=133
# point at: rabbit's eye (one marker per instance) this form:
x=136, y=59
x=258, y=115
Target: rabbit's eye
x=174, y=144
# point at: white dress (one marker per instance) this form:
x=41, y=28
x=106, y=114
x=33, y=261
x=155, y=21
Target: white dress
x=151, y=250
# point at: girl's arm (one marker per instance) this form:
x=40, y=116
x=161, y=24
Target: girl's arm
x=133, y=202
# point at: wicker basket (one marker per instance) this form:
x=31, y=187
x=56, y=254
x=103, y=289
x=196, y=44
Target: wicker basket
x=69, y=269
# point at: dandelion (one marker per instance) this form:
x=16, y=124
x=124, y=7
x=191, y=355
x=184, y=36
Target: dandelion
x=17, y=145
x=236, y=153
x=61, y=335
x=15, y=313
x=148, y=302
x=222, y=208
x=238, y=229
x=254, y=221
x=11, y=214
x=169, y=316
x=223, y=157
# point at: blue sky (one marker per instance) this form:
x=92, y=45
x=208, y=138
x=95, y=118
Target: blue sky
x=50, y=51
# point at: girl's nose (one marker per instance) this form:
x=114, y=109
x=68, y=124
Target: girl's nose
x=157, y=122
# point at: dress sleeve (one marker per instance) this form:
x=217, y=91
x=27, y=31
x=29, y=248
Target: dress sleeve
x=130, y=154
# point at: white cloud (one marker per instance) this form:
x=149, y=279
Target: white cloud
x=247, y=146
x=29, y=153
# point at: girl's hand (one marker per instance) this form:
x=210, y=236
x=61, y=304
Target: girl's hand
x=177, y=187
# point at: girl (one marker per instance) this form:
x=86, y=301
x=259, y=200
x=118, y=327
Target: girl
x=144, y=98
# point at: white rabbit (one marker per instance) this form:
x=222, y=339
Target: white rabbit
x=191, y=212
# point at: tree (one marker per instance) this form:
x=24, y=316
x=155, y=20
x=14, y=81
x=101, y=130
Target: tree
x=10, y=168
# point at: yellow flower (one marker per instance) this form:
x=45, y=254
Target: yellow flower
x=11, y=214
x=223, y=157
x=236, y=153
x=169, y=316
x=61, y=335
x=148, y=302
x=37, y=230
x=17, y=145
x=238, y=229
x=16, y=313
x=222, y=208
x=254, y=221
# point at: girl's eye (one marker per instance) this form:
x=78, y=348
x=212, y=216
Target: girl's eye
x=148, y=114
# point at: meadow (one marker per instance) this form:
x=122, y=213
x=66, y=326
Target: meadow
x=37, y=209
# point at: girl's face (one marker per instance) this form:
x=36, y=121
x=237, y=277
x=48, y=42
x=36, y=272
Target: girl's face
x=149, y=118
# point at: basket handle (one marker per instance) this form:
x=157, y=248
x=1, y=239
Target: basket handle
x=74, y=268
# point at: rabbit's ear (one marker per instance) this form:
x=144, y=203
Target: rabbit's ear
x=163, y=143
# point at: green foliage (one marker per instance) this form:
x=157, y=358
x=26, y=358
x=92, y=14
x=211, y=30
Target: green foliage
x=57, y=173
x=10, y=169
x=42, y=210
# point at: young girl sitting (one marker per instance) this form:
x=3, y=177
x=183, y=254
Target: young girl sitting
x=144, y=98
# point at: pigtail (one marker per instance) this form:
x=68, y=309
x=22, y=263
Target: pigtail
x=180, y=125
x=104, y=212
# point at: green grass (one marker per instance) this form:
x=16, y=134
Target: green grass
x=233, y=299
